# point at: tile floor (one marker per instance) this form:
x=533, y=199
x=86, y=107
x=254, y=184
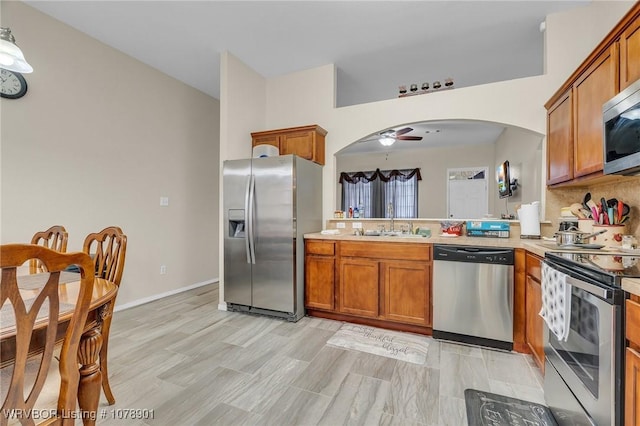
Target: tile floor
x=195, y=365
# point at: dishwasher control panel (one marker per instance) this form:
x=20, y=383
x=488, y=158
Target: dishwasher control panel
x=473, y=254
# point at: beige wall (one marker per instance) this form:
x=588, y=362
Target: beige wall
x=96, y=141
x=523, y=149
x=307, y=97
x=242, y=106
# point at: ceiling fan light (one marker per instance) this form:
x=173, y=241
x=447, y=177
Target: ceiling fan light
x=386, y=141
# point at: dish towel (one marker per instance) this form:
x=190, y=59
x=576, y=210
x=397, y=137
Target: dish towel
x=556, y=302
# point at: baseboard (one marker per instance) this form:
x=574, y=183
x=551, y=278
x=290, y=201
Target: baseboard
x=222, y=306
x=165, y=294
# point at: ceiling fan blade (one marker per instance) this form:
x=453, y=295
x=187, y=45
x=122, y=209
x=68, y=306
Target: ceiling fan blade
x=368, y=140
x=403, y=131
x=409, y=138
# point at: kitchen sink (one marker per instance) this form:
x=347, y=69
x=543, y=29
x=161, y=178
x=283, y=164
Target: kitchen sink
x=390, y=234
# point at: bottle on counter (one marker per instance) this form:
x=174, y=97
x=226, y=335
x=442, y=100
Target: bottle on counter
x=356, y=213
x=350, y=212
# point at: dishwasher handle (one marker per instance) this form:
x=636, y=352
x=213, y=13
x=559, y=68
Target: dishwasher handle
x=501, y=256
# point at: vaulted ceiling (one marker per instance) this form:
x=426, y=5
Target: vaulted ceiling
x=375, y=45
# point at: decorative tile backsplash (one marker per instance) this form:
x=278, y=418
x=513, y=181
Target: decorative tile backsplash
x=627, y=190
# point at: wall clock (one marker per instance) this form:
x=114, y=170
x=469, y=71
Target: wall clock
x=12, y=84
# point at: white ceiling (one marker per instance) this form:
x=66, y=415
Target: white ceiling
x=375, y=45
x=434, y=134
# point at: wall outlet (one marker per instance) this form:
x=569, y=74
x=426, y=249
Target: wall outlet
x=356, y=225
x=340, y=225
x=163, y=269
x=164, y=201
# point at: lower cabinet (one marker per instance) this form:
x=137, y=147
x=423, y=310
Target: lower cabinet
x=632, y=362
x=632, y=388
x=407, y=292
x=534, y=334
x=319, y=274
x=359, y=289
x=386, y=284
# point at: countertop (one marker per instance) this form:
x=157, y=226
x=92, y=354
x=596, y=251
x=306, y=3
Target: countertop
x=538, y=247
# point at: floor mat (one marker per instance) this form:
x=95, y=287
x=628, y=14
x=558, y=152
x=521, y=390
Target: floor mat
x=392, y=344
x=484, y=409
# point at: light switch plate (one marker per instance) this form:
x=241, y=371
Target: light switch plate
x=164, y=201
x=340, y=225
x=356, y=225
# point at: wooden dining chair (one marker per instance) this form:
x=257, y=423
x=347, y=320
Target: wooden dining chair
x=108, y=248
x=21, y=309
x=55, y=238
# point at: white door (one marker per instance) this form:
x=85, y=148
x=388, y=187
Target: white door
x=467, y=193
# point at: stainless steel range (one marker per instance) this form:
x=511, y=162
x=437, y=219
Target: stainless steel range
x=583, y=382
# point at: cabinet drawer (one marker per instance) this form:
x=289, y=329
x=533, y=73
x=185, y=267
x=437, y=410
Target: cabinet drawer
x=533, y=266
x=394, y=251
x=326, y=248
x=633, y=321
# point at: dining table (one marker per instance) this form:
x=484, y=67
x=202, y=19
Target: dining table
x=104, y=293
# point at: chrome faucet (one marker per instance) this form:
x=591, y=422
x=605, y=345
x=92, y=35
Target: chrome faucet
x=390, y=210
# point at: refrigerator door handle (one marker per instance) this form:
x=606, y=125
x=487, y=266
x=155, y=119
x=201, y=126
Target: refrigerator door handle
x=247, y=217
x=252, y=192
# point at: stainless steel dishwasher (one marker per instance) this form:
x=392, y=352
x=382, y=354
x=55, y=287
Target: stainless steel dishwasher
x=473, y=295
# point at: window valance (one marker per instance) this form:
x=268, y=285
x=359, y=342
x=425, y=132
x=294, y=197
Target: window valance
x=386, y=176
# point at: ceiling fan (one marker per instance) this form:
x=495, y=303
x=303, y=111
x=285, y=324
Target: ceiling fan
x=388, y=137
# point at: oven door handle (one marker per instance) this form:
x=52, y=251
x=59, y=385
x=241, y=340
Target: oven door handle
x=603, y=293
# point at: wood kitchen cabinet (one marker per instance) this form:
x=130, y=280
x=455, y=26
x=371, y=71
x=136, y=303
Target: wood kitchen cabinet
x=560, y=140
x=534, y=334
x=574, y=122
x=574, y=113
x=632, y=363
x=319, y=275
x=381, y=284
x=406, y=293
x=306, y=141
x=594, y=87
x=629, y=51
x=359, y=288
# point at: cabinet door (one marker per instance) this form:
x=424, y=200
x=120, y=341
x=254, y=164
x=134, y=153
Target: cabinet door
x=534, y=324
x=407, y=292
x=632, y=388
x=268, y=139
x=319, y=280
x=359, y=287
x=299, y=143
x=560, y=141
x=596, y=85
x=630, y=54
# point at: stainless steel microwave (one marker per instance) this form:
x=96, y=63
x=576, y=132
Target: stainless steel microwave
x=621, y=117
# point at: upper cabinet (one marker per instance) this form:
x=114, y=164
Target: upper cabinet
x=574, y=114
x=306, y=141
x=629, y=45
x=595, y=86
x=560, y=140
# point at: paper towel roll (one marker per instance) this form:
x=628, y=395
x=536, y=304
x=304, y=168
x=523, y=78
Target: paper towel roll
x=529, y=220
x=265, y=150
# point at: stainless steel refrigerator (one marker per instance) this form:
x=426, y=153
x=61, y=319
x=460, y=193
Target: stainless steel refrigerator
x=269, y=203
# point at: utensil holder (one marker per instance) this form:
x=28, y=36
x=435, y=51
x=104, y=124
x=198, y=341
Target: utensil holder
x=611, y=238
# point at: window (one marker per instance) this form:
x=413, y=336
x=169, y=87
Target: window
x=372, y=192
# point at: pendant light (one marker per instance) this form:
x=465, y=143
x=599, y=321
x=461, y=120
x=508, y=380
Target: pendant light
x=11, y=57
